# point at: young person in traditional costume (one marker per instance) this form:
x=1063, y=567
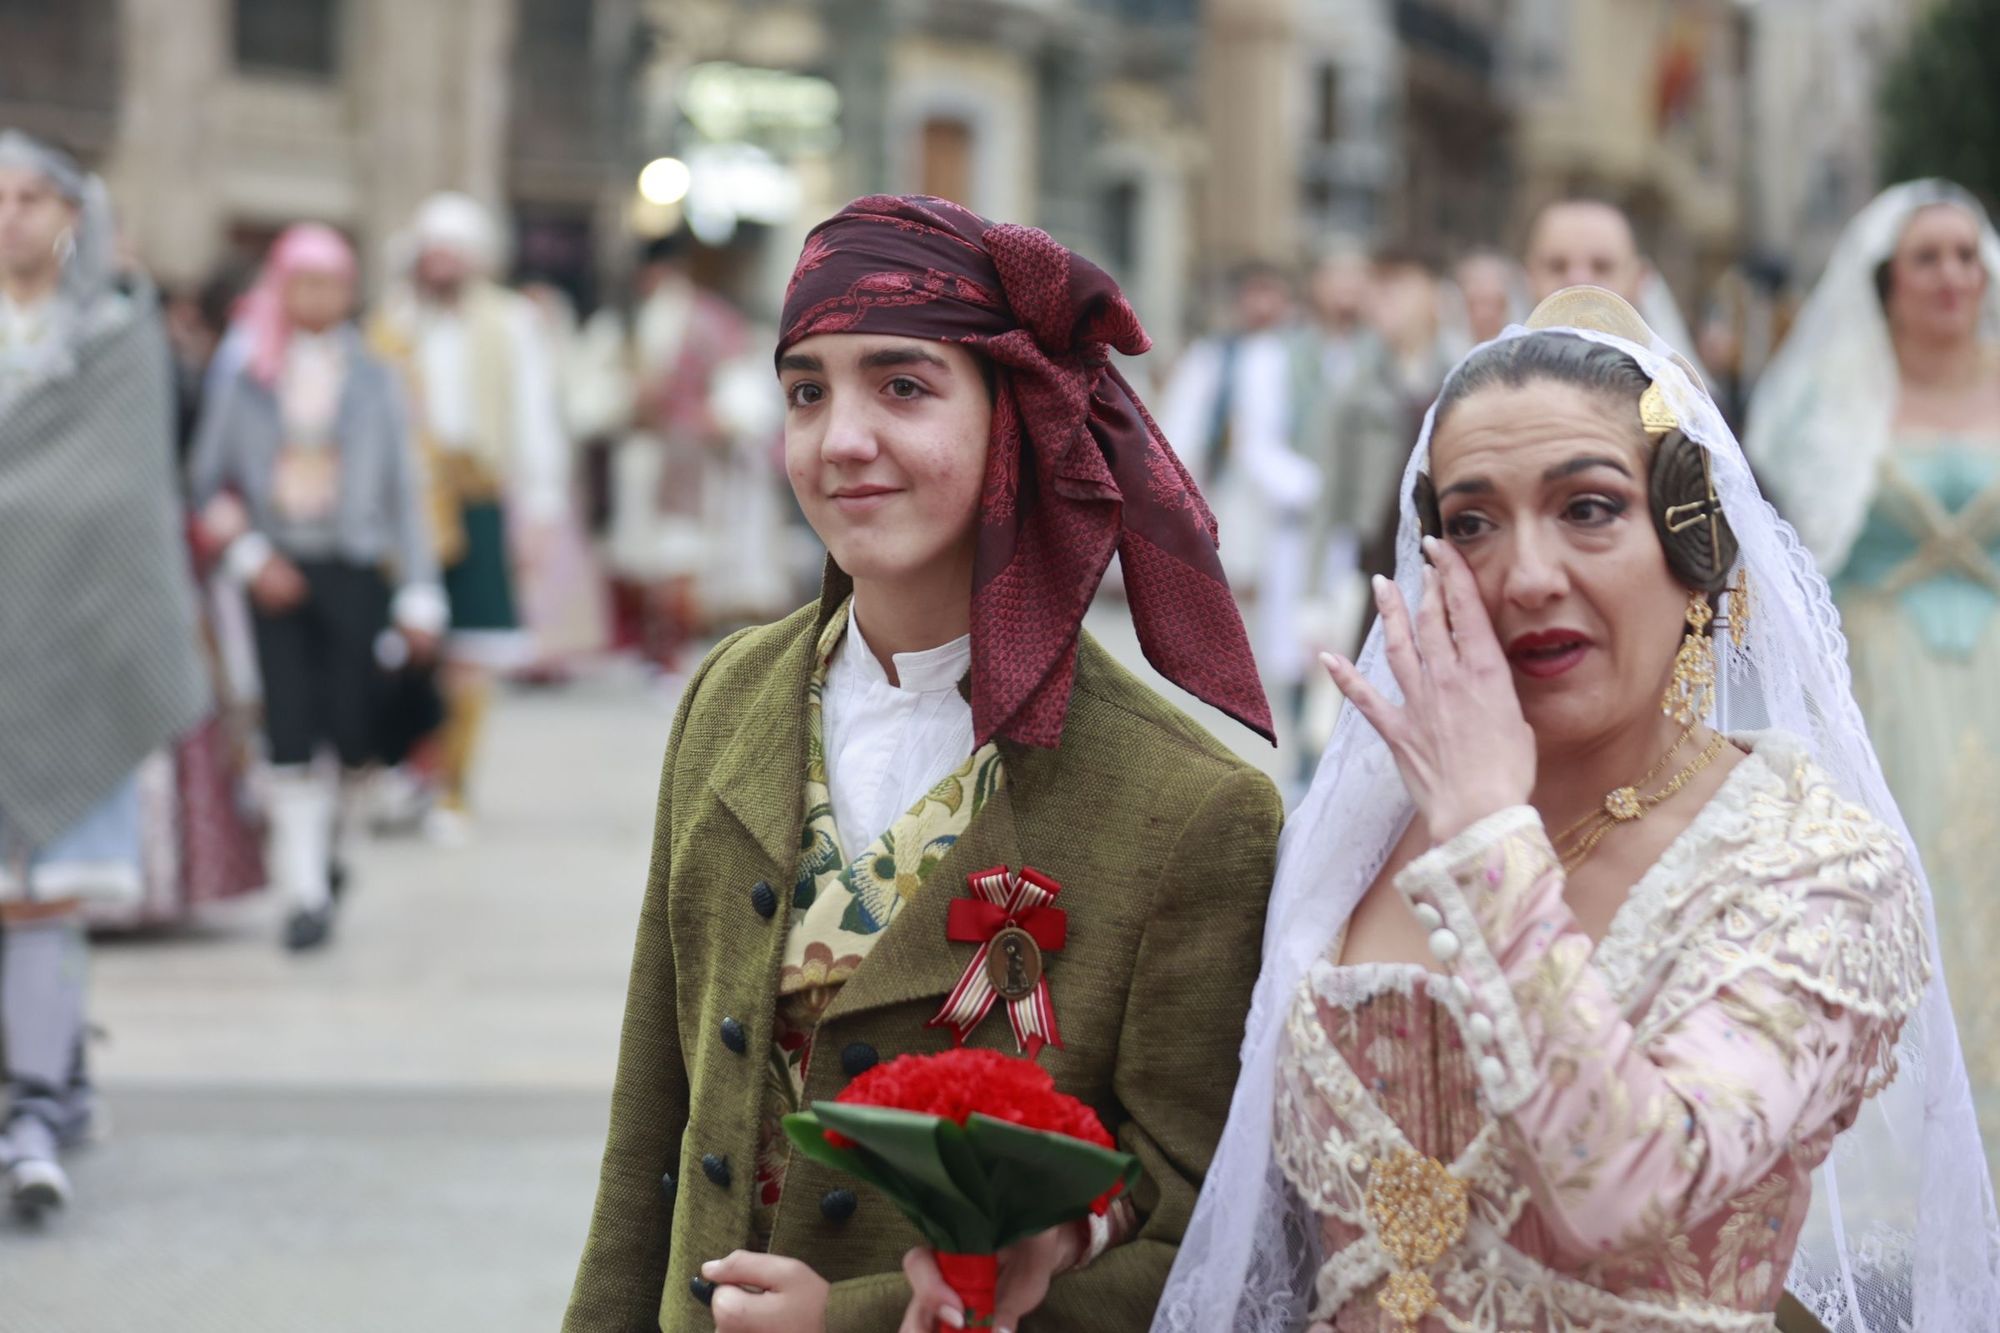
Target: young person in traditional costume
x=483, y=405
x=956, y=434
x=1600, y=991
x=311, y=436
x=98, y=661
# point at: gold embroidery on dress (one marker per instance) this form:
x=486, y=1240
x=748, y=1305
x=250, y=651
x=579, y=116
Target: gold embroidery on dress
x=1419, y=1208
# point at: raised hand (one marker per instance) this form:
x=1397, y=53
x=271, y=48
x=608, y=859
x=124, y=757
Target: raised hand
x=1463, y=747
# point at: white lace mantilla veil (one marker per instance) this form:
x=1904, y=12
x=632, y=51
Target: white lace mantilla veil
x=1820, y=420
x=1902, y=1233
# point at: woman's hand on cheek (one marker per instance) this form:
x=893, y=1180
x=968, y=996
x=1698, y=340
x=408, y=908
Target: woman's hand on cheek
x=1460, y=741
x=765, y=1293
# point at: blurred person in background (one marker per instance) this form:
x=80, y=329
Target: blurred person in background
x=1877, y=430
x=1492, y=292
x=311, y=438
x=1361, y=436
x=1229, y=412
x=563, y=601
x=1591, y=242
x=481, y=388
x=1331, y=340
x=1385, y=403
x=98, y=665
x=668, y=382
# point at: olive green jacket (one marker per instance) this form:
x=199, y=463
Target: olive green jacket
x=1163, y=844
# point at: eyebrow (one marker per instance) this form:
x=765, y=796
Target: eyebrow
x=902, y=356
x=799, y=361
x=1585, y=464
x=1481, y=486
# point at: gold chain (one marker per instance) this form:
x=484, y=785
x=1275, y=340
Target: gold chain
x=1625, y=804
x=1651, y=773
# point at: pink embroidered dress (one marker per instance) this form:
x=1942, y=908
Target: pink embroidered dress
x=1547, y=1135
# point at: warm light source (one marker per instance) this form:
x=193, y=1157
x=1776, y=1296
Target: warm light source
x=665, y=180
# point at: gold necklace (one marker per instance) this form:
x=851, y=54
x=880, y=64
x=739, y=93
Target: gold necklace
x=1625, y=804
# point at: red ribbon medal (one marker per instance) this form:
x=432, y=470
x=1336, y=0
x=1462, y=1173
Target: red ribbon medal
x=1011, y=919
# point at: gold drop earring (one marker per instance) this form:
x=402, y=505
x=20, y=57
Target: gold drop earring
x=1741, y=603
x=1691, y=692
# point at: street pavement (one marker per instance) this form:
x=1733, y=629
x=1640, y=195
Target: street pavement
x=398, y=1135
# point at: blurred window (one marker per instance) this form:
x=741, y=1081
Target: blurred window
x=947, y=159
x=288, y=36
x=1326, y=103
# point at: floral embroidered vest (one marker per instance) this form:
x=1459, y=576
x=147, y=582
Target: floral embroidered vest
x=840, y=907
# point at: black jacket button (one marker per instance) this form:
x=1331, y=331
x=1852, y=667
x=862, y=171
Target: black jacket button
x=668, y=1188
x=703, y=1289
x=857, y=1058
x=764, y=900
x=716, y=1169
x=734, y=1037
x=837, y=1205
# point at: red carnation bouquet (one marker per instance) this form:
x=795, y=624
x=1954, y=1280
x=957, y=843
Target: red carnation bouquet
x=976, y=1148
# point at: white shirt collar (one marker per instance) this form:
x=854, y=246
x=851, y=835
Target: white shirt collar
x=932, y=669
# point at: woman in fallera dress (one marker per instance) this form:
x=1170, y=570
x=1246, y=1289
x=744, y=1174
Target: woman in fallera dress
x=1877, y=430
x=1598, y=945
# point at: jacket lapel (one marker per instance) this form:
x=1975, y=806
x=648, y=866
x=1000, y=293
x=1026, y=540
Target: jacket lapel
x=760, y=778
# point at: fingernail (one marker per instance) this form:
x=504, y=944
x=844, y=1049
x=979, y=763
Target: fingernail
x=952, y=1317
x=1329, y=661
x=1430, y=544
x=1380, y=585
x=709, y=1269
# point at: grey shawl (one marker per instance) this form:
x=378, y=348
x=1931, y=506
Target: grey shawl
x=98, y=659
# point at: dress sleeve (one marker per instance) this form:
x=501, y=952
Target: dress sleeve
x=1779, y=1016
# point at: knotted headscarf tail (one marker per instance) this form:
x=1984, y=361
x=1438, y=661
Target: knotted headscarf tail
x=1077, y=468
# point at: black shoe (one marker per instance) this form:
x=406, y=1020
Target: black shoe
x=308, y=930
x=336, y=878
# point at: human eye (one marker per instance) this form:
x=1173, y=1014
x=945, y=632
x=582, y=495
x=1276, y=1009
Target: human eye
x=1466, y=525
x=803, y=393
x=906, y=388
x=1593, y=511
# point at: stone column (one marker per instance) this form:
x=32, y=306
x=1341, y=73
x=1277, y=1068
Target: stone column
x=1250, y=182
x=162, y=167
x=430, y=91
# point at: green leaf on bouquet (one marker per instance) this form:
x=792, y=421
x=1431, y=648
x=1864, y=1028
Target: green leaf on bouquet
x=1040, y=1180
x=922, y=1163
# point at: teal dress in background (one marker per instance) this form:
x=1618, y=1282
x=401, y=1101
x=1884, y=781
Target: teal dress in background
x=1918, y=598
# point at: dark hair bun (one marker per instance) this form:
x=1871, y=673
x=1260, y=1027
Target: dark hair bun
x=1688, y=515
x=1425, y=496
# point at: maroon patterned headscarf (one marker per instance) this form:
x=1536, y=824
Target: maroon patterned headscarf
x=1076, y=469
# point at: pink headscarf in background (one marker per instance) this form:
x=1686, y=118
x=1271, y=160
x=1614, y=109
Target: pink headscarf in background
x=305, y=247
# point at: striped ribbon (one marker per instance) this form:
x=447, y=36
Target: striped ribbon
x=1001, y=898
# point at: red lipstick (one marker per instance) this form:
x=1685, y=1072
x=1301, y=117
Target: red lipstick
x=1546, y=653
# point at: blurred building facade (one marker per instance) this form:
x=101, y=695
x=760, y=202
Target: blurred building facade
x=219, y=121
x=1076, y=115
x=1641, y=102
x=1169, y=138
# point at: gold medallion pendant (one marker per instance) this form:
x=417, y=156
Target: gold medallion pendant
x=1419, y=1210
